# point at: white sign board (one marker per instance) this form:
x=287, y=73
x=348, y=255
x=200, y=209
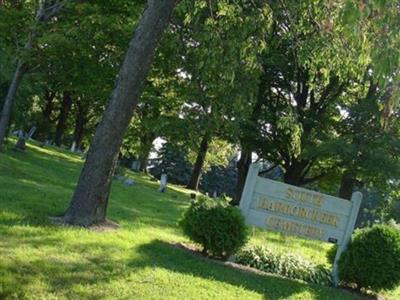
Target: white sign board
x=292, y=210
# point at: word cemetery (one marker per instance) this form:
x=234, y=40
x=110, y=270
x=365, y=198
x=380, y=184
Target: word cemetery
x=296, y=211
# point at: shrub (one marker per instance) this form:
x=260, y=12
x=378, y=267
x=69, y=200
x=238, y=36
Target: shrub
x=288, y=265
x=372, y=259
x=216, y=225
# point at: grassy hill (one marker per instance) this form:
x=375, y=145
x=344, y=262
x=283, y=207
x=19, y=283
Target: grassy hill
x=39, y=260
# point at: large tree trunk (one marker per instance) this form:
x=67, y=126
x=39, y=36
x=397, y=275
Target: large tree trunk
x=347, y=185
x=90, y=199
x=198, y=165
x=9, y=101
x=243, y=167
x=80, y=122
x=62, y=118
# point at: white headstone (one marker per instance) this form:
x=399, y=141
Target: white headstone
x=163, y=183
x=73, y=146
x=31, y=132
x=129, y=181
x=135, y=165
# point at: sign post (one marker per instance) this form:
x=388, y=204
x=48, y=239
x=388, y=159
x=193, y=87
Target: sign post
x=292, y=210
x=356, y=199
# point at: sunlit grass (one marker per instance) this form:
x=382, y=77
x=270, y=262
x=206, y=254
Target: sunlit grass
x=138, y=261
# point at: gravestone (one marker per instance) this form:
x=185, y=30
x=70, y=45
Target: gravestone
x=20, y=145
x=18, y=133
x=73, y=146
x=292, y=210
x=119, y=177
x=163, y=183
x=46, y=143
x=129, y=181
x=31, y=133
x=135, y=165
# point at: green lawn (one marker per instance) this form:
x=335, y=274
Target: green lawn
x=41, y=261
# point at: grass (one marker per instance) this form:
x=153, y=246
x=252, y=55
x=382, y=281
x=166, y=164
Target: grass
x=39, y=260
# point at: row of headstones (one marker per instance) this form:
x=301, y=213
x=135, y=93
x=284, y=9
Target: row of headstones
x=26, y=136
x=129, y=181
x=21, y=145
x=163, y=184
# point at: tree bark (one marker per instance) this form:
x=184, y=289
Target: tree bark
x=347, y=185
x=62, y=118
x=243, y=167
x=90, y=199
x=198, y=165
x=9, y=101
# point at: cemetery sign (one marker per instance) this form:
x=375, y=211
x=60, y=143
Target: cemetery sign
x=292, y=210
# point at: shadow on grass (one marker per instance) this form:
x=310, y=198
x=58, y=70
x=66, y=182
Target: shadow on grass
x=62, y=273
x=58, y=274
x=36, y=186
x=164, y=255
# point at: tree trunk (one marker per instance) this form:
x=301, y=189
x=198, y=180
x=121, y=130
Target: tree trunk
x=62, y=118
x=347, y=185
x=41, y=17
x=198, y=165
x=146, y=144
x=80, y=122
x=246, y=155
x=90, y=199
x=243, y=167
x=48, y=109
x=295, y=172
x=43, y=131
x=9, y=101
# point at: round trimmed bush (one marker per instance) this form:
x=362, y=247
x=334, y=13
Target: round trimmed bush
x=372, y=259
x=215, y=225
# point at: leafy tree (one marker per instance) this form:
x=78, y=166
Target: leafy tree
x=297, y=111
x=296, y=108
x=89, y=202
x=79, y=57
x=215, y=84
x=365, y=149
x=44, y=13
